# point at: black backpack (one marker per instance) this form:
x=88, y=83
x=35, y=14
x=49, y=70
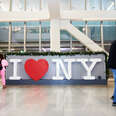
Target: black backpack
x=1, y=66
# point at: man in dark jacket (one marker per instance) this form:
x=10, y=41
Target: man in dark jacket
x=112, y=65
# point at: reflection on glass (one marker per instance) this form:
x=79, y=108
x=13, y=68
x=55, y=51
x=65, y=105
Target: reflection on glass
x=93, y=5
x=32, y=31
x=32, y=24
x=109, y=23
x=109, y=30
x=44, y=4
x=4, y=5
x=93, y=30
x=17, y=5
x=93, y=23
x=108, y=4
x=76, y=45
x=17, y=32
x=79, y=25
x=46, y=31
x=4, y=32
x=64, y=36
x=65, y=41
x=33, y=5
x=4, y=24
x=78, y=4
x=45, y=23
x=45, y=44
x=65, y=4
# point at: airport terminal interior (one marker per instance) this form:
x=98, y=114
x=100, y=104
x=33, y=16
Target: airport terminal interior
x=57, y=26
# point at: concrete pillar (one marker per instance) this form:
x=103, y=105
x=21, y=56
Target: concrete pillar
x=55, y=35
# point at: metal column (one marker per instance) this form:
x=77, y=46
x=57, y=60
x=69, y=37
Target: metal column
x=25, y=36
x=101, y=30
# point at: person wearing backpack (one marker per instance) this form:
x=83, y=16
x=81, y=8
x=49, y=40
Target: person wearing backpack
x=3, y=65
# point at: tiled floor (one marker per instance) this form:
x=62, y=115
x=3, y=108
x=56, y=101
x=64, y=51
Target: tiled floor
x=62, y=100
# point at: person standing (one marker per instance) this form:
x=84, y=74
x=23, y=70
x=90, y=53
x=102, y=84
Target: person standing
x=3, y=64
x=112, y=66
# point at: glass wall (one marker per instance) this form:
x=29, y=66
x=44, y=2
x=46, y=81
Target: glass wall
x=65, y=38
x=76, y=45
x=109, y=31
x=78, y=4
x=93, y=4
x=45, y=31
x=4, y=5
x=17, y=36
x=36, y=5
x=33, y=5
x=4, y=36
x=108, y=4
x=79, y=25
x=67, y=41
x=32, y=40
x=65, y=4
x=4, y=32
x=45, y=44
x=93, y=30
x=18, y=5
x=32, y=31
x=44, y=5
x=17, y=32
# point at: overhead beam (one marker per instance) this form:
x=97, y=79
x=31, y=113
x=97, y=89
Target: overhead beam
x=68, y=15
x=23, y=16
x=88, y=15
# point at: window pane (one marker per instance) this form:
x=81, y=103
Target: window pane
x=79, y=25
x=65, y=4
x=65, y=41
x=17, y=5
x=33, y=5
x=76, y=45
x=109, y=30
x=45, y=31
x=4, y=5
x=4, y=32
x=93, y=23
x=17, y=32
x=108, y=4
x=94, y=30
x=45, y=36
x=78, y=4
x=44, y=5
x=33, y=35
x=32, y=24
x=93, y=5
x=65, y=36
x=33, y=32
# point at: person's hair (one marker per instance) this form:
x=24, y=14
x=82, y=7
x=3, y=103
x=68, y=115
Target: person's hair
x=1, y=56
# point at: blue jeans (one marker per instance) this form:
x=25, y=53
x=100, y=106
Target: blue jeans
x=114, y=75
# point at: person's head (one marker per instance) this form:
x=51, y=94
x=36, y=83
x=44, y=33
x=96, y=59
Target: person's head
x=1, y=57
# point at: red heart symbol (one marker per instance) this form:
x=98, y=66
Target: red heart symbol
x=36, y=69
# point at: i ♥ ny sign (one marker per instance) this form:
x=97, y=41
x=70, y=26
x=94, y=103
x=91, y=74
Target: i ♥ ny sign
x=87, y=67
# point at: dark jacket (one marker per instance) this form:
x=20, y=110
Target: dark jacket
x=112, y=56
